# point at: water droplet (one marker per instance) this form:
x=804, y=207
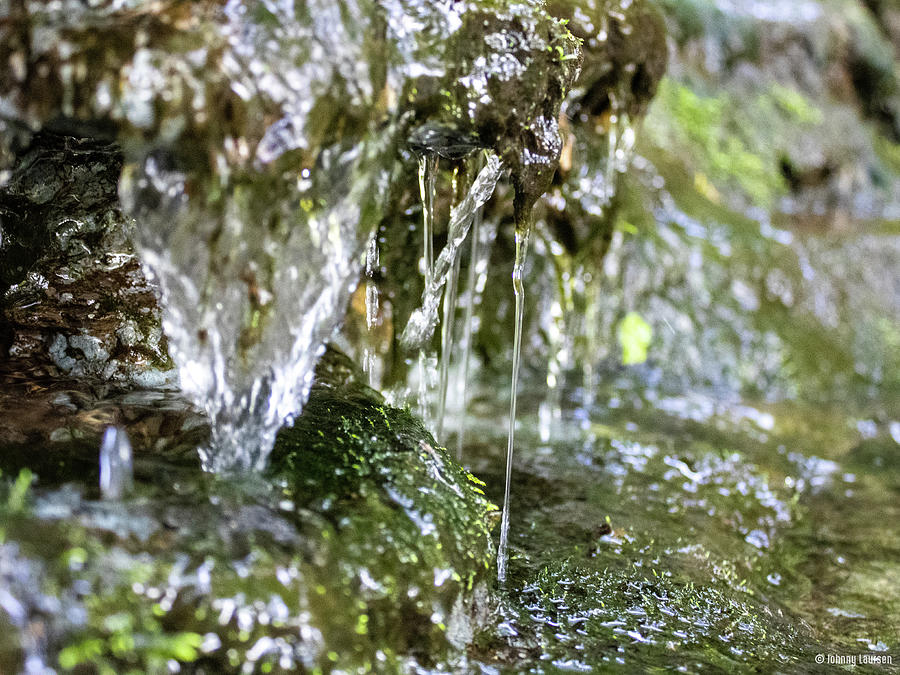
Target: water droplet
x=116, y=473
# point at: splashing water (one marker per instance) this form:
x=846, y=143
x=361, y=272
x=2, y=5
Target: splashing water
x=116, y=473
x=254, y=228
x=519, y=290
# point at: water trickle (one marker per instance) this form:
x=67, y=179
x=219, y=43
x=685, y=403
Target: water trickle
x=116, y=473
x=621, y=138
x=422, y=323
x=372, y=364
x=447, y=326
x=428, y=169
x=471, y=300
x=372, y=260
x=428, y=166
x=522, y=234
x=449, y=319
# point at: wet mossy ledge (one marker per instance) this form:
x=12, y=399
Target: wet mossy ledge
x=229, y=106
x=417, y=524
x=365, y=548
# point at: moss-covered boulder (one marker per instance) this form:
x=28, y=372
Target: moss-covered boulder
x=413, y=524
x=365, y=548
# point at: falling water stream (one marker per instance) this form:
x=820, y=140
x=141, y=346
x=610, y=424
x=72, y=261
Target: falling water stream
x=424, y=319
x=462, y=388
x=447, y=326
x=522, y=235
x=372, y=365
x=460, y=184
x=428, y=169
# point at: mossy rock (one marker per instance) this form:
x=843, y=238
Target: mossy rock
x=401, y=508
x=364, y=548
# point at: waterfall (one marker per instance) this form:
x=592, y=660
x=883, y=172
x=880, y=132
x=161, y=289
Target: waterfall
x=251, y=286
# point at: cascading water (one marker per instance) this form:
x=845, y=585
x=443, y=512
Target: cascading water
x=257, y=252
x=424, y=319
x=116, y=471
x=233, y=300
x=597, y=194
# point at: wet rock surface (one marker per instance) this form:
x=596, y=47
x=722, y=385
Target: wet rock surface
x=75, y=301
x=726, y=503
x=366, y=547
x=219, y=106
x=820, y=102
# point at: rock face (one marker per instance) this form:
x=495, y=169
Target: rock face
x=417, y=523
x=215, y=108
x=75, y=301
x=623, y=56
x=805, y=96
x=262, y=143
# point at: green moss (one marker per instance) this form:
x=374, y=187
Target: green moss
x=363, y=549
x=713, y=133
x=794, y=104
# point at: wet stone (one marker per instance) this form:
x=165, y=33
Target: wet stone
x=73, y=296
x=365, y=546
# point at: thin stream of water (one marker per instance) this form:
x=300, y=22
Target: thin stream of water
x=423, y=320
x=519, y=290
x=371, y=365
x=428, y=165
x=428, y=168
x=451, y=294
x=447, y=326
x=462, y=388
